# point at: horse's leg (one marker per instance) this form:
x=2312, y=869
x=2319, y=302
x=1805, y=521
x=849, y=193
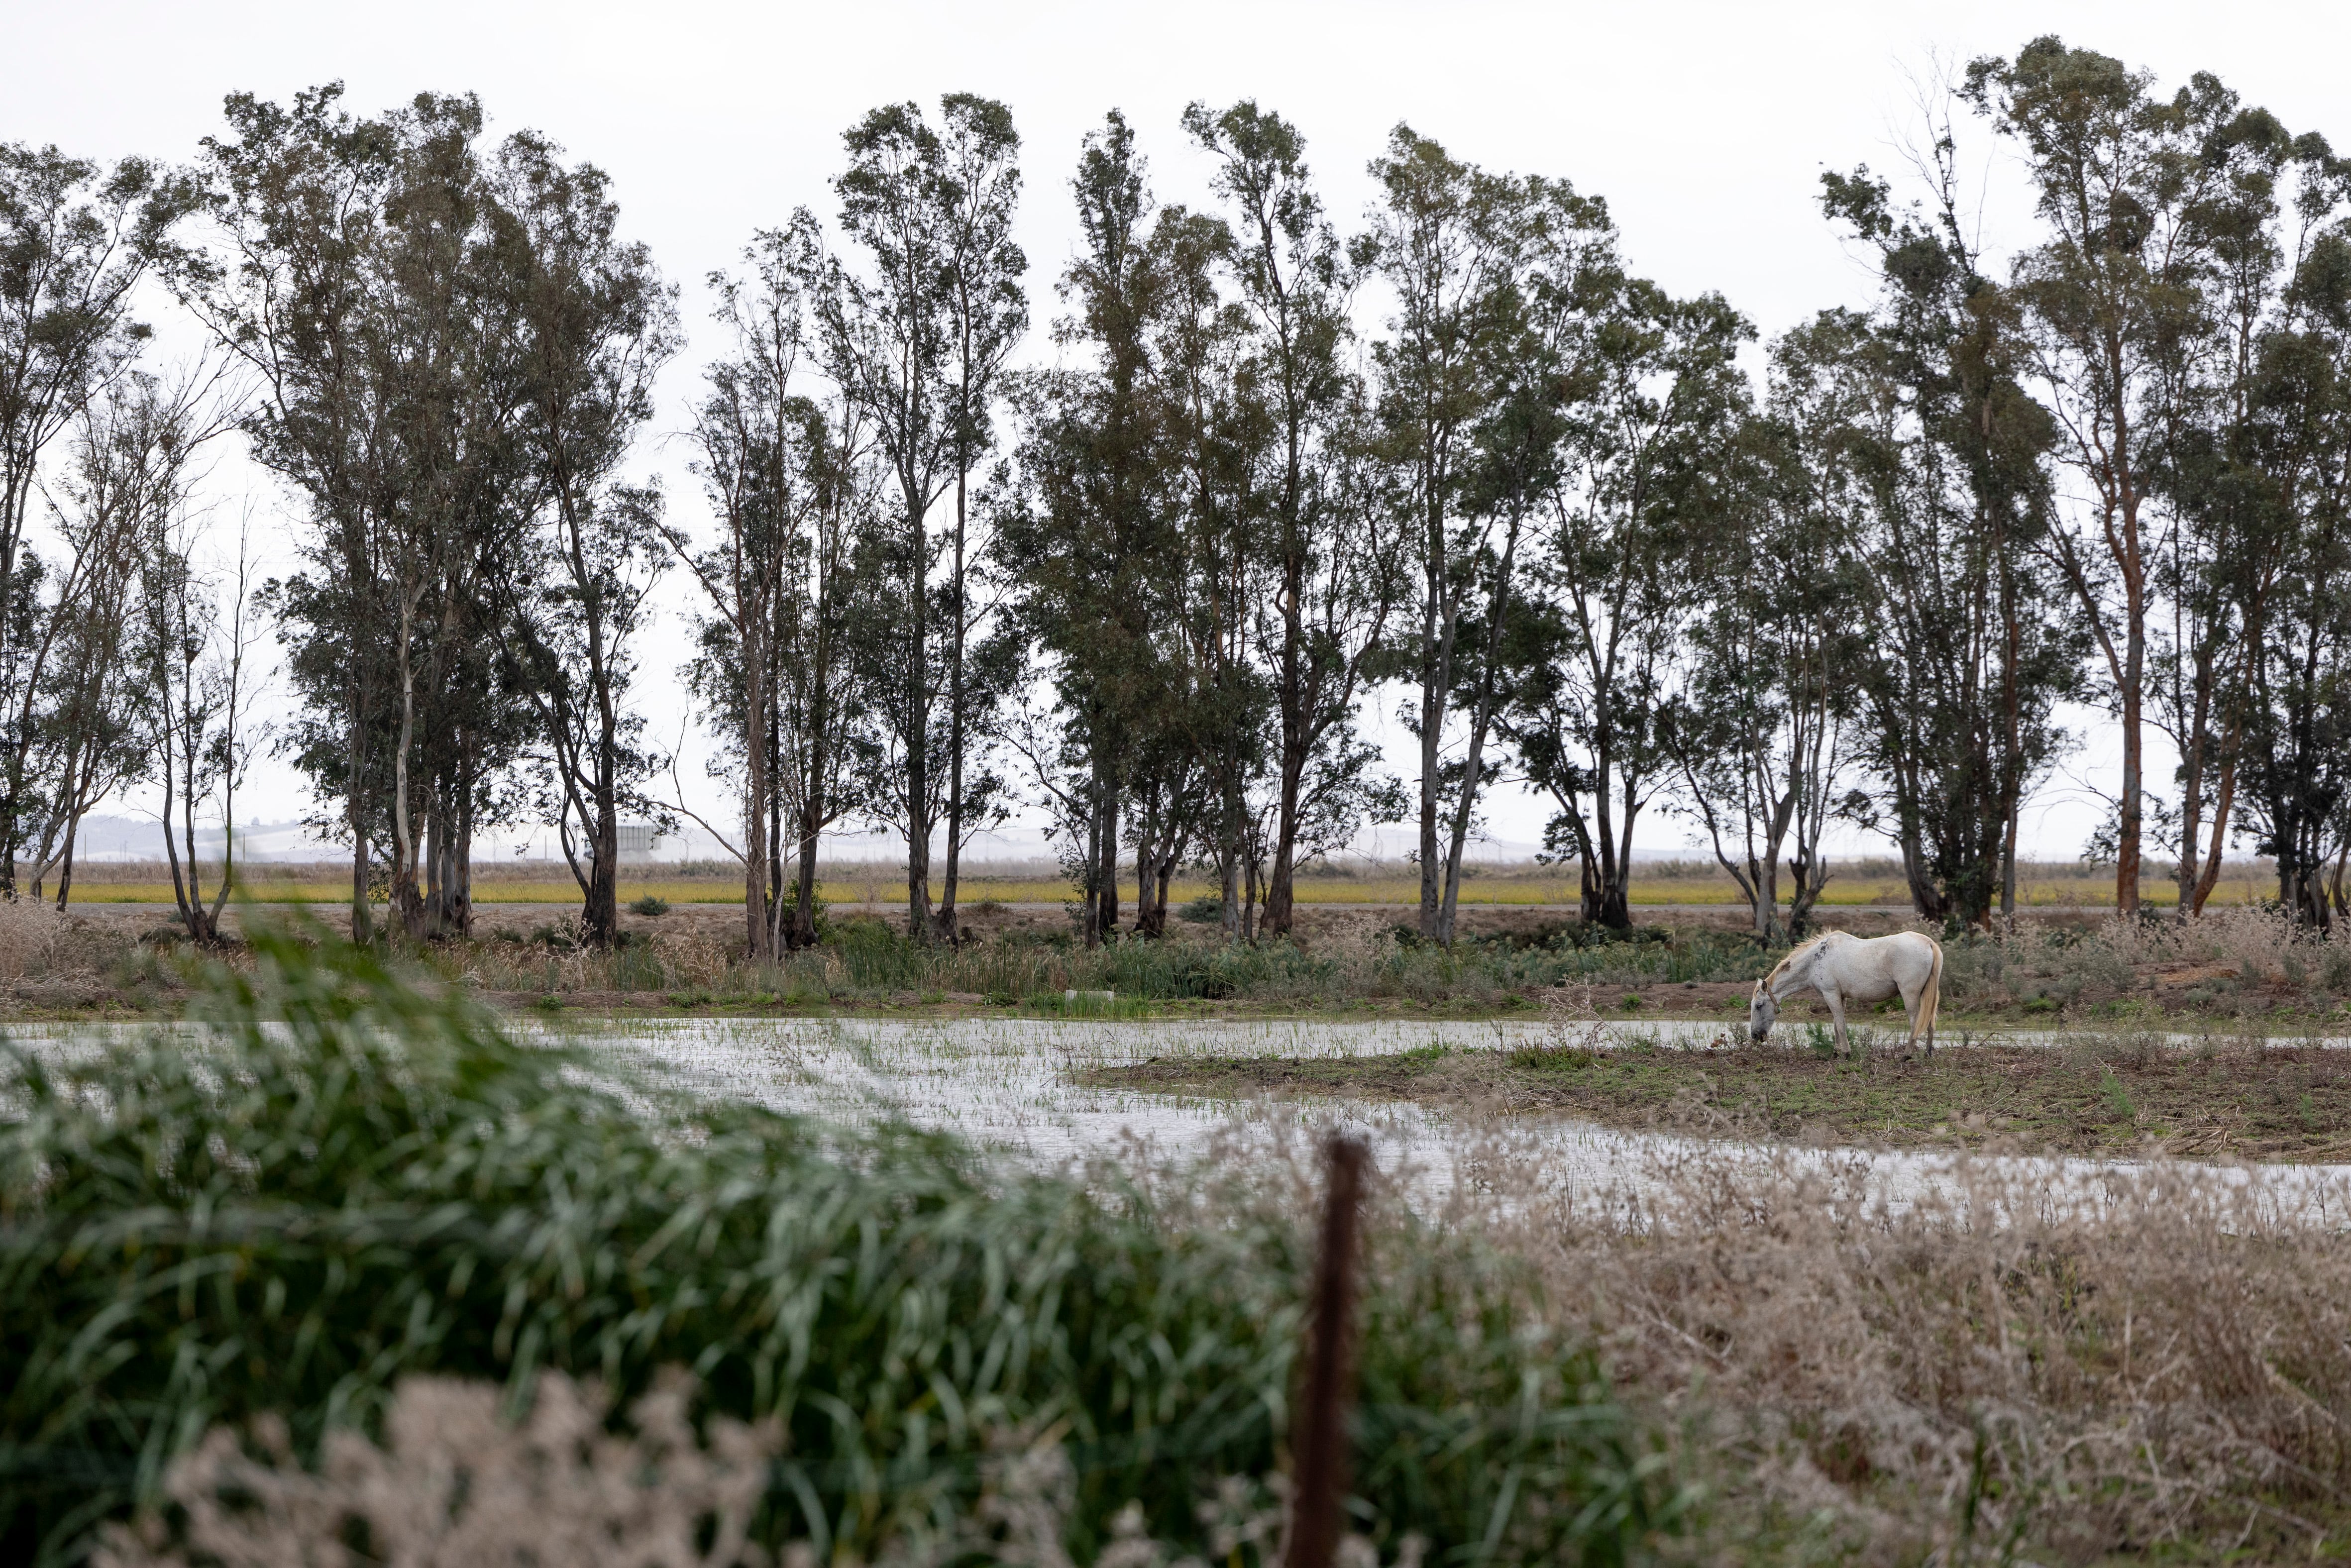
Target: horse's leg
x=1836, y=1012
x=1910, y=995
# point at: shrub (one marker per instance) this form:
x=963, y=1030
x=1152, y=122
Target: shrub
x=650, y=904
x=343, y=1180
x=36, y=942
x=454, y=1482
x=1969, y=1363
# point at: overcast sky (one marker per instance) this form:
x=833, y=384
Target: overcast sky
x=1705, y=127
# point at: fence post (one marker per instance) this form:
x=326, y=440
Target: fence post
x=1319, y=1478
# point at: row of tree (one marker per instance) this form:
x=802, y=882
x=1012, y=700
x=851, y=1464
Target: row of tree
x=1274, y=475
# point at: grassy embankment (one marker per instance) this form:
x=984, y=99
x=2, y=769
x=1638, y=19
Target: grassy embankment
x=2237, y=967
x=1662, y=883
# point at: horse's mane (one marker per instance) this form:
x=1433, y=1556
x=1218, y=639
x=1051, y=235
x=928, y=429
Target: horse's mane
x=1795, y=953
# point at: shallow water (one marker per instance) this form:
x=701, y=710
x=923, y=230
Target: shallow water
x=1005, y=1084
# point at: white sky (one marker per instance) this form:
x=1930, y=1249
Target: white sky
x=1705, y=126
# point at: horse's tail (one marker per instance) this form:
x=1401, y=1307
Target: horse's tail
x=1931, y=999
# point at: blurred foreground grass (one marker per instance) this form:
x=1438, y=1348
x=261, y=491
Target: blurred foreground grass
x=334, y=1179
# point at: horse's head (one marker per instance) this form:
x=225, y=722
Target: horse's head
x=1761, y=1010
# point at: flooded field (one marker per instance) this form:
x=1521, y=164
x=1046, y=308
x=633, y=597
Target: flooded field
x=1008, y=1085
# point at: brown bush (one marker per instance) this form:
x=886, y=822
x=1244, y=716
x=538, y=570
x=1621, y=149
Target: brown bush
x=2083, y=1362
x=455, y=1486
x=37, y=943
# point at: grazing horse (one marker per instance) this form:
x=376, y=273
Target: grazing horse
x=1843, y=968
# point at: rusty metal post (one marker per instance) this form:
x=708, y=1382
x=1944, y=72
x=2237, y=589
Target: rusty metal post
x=1319, y=1475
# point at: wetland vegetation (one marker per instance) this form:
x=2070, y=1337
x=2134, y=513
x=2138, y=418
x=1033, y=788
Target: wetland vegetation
x=2130, y=1093
x=330, y=1180
x=287, y=1220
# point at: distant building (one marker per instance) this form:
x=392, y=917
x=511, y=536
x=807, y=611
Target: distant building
x=638, y=842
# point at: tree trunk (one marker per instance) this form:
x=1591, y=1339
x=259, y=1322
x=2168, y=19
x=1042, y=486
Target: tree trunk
x=918, y=733
x=407, y=905
x=1228, y=913
x=804, y=885
x=171, y=850
x=942, y=924
x=355, y=813
x=2128, y=840
x=66, y=864
x=1145, y=840
x=1280, y=892
x=1092, y=887
x=1480, y=722
x=1297, y=723
x=1248, y=900
x=1432, y=723
x=1616, y=900
x=599, y=915
x=757, y=922
x=1106, y=889
x=461, y=868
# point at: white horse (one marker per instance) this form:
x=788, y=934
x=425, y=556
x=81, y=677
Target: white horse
x=1843, y=968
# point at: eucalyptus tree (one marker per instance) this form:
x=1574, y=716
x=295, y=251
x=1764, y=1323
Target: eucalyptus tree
x=781, y=470
x=590, y=324
x=1330, y=559
x=362, y=271
x=197, y=635
x=918, y=339
x=886, y=333
x=1553, y=302
x=448, y=395
x=2297, y=802
x=2290, y=449
x=1610, y=583
x=1443, y=239
x=295, y=196
x=90, y=691
x=1972, y=643
x=978, y=183
x=2127, y=186
x=1761, y=729
x=1220, y=425
x=752, y=435
x=75, y=238
x=2243, y=401
x=1093, y=524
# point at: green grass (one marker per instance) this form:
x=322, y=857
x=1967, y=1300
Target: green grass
x=2095, y=1094
x=340, y=1179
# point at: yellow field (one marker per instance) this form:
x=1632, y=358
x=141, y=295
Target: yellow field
x=1551, y=892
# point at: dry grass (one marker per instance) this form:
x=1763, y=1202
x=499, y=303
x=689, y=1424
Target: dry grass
x=455, y=1486
x=2008, y=1361
x=2154, y=1362
x=38, y=944
x=30, y=936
